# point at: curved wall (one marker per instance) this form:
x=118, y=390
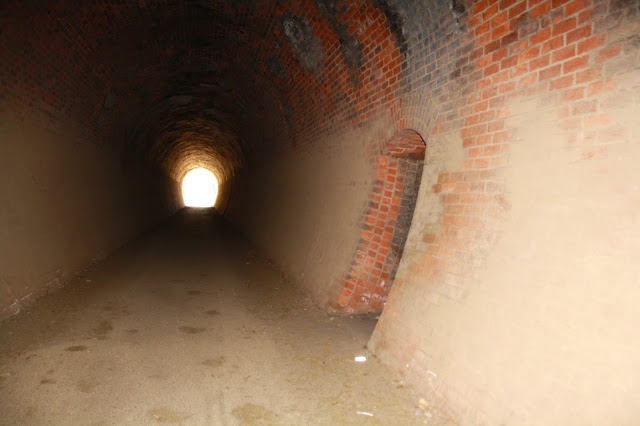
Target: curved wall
x=513, y=301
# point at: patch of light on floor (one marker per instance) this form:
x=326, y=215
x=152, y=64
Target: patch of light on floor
x=199, y=188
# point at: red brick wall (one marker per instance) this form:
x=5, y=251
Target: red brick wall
x=500, y=275
x=386, y=224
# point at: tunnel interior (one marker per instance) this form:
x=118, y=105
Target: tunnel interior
x=465, y=171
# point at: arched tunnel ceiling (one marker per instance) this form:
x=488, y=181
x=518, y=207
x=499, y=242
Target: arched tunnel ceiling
x=215, y=83
x=201, y=48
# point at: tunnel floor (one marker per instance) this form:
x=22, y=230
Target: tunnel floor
x=190, y=324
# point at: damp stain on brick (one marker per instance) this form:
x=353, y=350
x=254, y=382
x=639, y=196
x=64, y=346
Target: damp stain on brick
x=107, y=107
x=275, y=67
x=303, y=40
x=351, y=47
x=458, y=8
x=396, y=24
x=352, y=50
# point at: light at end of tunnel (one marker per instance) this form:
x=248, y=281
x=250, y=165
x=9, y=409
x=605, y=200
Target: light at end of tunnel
x=199, y=188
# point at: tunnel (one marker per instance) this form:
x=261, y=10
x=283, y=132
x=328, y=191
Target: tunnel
x=418, y=212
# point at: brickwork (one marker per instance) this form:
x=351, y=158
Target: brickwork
x=554, y=73
x=527, y=110
x=386, y=225
x=356, y=78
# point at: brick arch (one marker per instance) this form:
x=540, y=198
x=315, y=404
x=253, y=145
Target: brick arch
x=398, y=171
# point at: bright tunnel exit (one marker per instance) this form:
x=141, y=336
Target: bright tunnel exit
x=199, y=188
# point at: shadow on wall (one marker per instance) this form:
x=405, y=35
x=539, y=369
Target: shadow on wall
x=386, y=225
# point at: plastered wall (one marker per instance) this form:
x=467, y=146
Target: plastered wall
x=515, y=300
x=66, y=203
x=306, y=211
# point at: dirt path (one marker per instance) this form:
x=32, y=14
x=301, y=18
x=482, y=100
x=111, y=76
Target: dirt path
x=190, y=325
